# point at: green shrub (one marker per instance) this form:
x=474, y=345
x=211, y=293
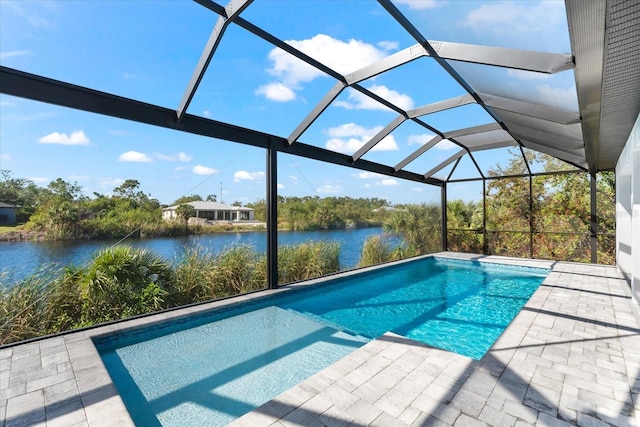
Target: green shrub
x=122, y=282
x=21, y=309
x=375, y=250
x=307, y=260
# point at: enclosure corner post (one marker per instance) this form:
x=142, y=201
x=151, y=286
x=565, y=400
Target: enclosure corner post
x=272, y=216
x=485, y=246
x=443, y=208
x=593, y=229
x=531, y=220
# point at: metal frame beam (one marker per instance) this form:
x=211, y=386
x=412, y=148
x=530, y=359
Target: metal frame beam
x=43, y=89
x=527, y=60
x=571, y=158
x=473, y=130
x=385, y=64
x=555, y=115
x=231, y=11
x=413, y=114
x=378, y=137
x=446, y=104
x=317, y=110
x=413, y=31
x=411, y=157
x=445, y=163
x=587, y=31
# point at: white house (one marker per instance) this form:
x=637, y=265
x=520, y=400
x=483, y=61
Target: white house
x=213, y=211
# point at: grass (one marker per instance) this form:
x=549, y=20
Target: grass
x=8, y=228
x=122, y=282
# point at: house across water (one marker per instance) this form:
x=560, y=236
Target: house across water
x=213, y=211
x=7, y=214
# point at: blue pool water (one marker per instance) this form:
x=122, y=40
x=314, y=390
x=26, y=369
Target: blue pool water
x=209, y=369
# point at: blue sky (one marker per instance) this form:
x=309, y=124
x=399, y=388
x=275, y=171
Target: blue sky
x=147, y=50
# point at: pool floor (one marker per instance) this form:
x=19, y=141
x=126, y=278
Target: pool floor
x=214, y=373
x=459, y=306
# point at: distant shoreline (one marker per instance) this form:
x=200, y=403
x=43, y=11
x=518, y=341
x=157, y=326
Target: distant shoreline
x=226, y=227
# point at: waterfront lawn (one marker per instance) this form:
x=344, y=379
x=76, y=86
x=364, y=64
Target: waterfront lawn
x=7, y=228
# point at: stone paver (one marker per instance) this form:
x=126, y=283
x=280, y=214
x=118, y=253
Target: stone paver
x=570, y=357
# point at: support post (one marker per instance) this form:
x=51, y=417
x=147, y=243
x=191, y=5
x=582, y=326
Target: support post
x=593, y=229
x=272, y=216
x=485, y=246
x=443, y=207
x=530, y=216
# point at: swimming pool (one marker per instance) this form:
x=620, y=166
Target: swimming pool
x=212, y=368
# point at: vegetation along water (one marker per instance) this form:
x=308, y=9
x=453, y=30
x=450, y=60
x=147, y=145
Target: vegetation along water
x=169, y=263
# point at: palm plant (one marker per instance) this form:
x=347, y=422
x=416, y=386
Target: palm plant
x=418, y=225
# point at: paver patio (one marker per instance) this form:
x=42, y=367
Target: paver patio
x=570, y=357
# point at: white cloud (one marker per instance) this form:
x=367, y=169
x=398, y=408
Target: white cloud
x=39, y=179
x=276, y=91
x=347, y=129
x=349, y=137
x=181, y=156
x=519, y=17
x=388, y=182
x=359, y=101
x=280, y=186
x=419, y=4
x=130, y=76
x=388, y=45
x=343, y=57
x=527, y=75
x=293, y=177
x=247, y=176
x=445, y=145
x=417, y=189
x=28, y=14
x=204, y=170
x=368, y=175
x=381, y=179
x=5, y=157
x=419, y=139
x=14, y=53
x=562, y=98
x=330, y=189
x=78, y=177
x=76, y=138
x=206, y=113
x=110, y=182
x=134, y=156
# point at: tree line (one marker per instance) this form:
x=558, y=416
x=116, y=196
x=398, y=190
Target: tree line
x=62, y=211
x=555, y=223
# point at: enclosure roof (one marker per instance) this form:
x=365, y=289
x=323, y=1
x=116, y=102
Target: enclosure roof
x=585, y=124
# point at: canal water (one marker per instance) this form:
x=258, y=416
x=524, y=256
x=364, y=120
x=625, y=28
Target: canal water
x=19, y=259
